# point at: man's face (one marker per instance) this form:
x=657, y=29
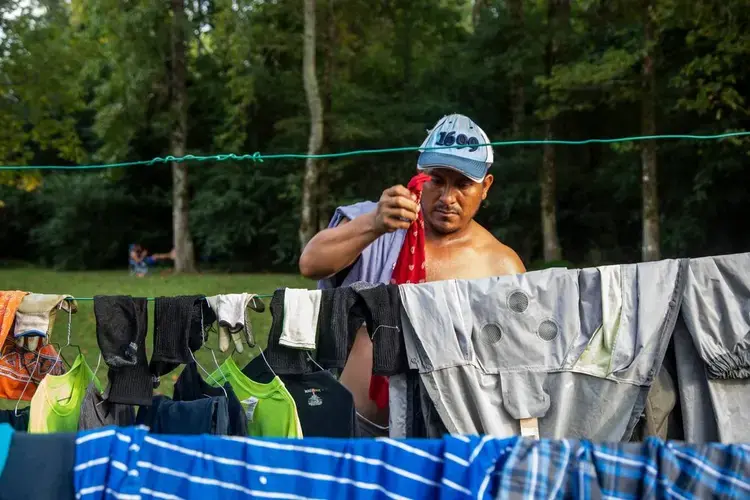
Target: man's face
x=450, y=200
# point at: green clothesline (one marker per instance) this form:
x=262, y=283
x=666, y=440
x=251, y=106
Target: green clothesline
x=258, y=157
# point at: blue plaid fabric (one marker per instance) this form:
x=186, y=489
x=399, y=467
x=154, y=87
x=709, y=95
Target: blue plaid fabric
x=129, y=463
x=652, y=469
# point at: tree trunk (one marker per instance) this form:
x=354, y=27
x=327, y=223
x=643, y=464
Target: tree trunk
x=327, y=92
x=557, y=18
x=476, y=11
x=547, y=183
x=518, y=97
x=309, y=219
x=651, y=246
x=183, y=241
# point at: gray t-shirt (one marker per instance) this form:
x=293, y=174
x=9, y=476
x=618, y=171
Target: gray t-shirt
x=376, y=263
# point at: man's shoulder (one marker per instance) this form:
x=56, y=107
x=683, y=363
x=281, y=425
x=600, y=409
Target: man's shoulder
x=349, y=212
x=503, y=257
x=485, y=240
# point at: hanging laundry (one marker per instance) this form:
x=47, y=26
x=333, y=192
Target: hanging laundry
x=180, y=325
x=395, y=258
x=121, y=328
x=376, y=264
x=203, y=416
x=325, y=408
x=300, y=324
x=18, y=419
x=231, y=311
x=190, y=386
x=411, y=412
x=338, y=322
x=258, y=370
x=269, y=408
x=570, y=352
x=381, y=308
x=716, y=312
x=282, y=359
x=21, y=370
x=39, y=466
x=6, y=436
x=56, y=406
x=342, y=311
x=202, y=319
x=699, y=422
x=120, y=321
x=240, y=468
x=581, y=469
x=400, y=412
x=377, y=261
x=410, y=267
x=98, y=412
x=35, y=317
x=9, y=302
x=451, y=467
x=660, y=403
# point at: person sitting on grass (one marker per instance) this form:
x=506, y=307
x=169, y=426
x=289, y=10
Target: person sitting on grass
x=140, y=260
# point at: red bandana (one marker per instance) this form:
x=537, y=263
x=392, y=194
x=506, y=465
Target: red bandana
x=410, y=268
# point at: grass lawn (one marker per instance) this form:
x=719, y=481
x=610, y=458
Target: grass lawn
x=88, y=284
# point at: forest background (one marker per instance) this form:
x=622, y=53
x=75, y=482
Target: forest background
x=91, y=81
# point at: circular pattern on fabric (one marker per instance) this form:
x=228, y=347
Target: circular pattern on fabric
x=491, y=333
x=518, y=301
x=548, y=330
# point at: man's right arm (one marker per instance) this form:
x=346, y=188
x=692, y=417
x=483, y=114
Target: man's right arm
x=336, y=248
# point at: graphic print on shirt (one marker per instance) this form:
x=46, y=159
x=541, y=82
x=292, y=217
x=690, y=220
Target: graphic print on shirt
x=314, y=400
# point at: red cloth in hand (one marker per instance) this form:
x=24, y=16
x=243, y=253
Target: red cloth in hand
x=410, y=268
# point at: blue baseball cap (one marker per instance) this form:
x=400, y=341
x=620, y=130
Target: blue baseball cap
x=466, y=156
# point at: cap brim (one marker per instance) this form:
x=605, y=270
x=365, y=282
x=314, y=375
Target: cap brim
x=473, y=169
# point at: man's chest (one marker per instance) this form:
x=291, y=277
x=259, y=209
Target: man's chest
x=442, y=264
x=465, y=263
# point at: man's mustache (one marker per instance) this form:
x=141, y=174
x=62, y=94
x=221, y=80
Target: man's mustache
x=447, y=209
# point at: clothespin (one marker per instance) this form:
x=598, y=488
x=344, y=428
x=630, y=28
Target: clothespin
x=530, y=428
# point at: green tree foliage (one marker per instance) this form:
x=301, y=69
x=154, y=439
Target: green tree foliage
x=89, y=80
x=40, y=101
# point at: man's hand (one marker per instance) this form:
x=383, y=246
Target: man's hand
x=337, y=248
x=397, y=209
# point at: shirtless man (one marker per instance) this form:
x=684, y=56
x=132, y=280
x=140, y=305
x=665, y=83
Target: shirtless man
x=456, y=246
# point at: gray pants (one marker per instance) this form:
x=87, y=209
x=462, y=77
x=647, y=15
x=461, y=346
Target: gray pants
x=576, y=350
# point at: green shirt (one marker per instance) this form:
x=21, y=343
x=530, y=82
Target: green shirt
x=269, y=408
x=56, y=405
